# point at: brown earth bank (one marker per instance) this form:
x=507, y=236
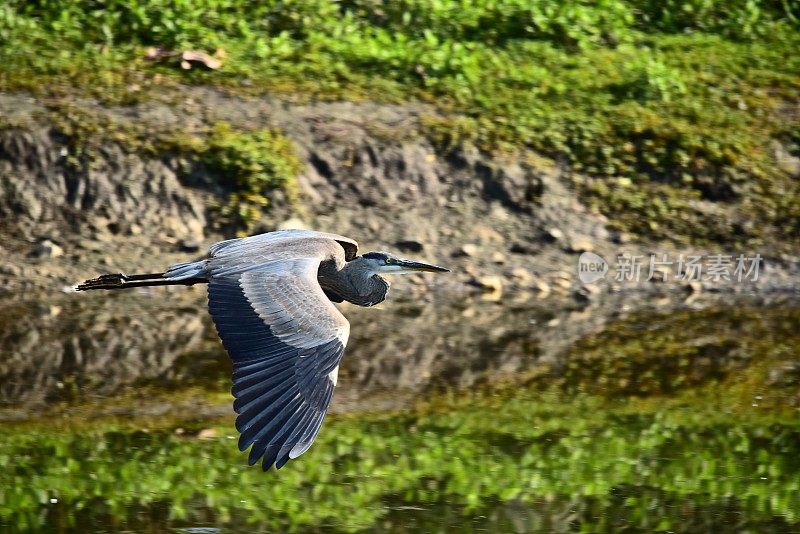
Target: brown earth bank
x=505, y=223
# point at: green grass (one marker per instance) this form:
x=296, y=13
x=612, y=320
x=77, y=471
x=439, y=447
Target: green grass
x=682, y=99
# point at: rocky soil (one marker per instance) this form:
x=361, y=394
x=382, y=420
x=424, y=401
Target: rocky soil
x=504, y=223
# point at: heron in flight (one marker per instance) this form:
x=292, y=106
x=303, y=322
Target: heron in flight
x=270, y=298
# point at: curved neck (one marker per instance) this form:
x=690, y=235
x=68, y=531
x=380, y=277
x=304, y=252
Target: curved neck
x=355, y=283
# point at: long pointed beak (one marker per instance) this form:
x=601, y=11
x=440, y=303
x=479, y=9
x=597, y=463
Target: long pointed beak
x=412, y=265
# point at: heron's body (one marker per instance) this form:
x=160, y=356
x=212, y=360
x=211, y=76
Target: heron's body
x=270, y=296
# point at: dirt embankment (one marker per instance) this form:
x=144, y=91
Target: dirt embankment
x=369, y=172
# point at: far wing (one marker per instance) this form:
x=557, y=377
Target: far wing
x=260, y=242
x=286, y=340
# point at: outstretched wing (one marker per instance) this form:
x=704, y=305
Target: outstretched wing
x=262, y=243
x=286, y=340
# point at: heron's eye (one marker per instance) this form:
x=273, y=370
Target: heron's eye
x=388, y=260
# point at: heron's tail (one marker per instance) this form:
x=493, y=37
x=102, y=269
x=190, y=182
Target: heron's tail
x=185, y=274
x=125, y=281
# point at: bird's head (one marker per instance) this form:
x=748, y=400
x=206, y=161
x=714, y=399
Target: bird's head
x=386, y=263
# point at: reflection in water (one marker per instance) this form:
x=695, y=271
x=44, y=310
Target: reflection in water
x=89, y=345
x=72, y=348
x=601, y=418
x=528, y=463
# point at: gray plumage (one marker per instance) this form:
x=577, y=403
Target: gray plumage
x=270, y=296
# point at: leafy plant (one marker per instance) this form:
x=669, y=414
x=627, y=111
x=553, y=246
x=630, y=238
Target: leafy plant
x=688, y=95
x=250, y=165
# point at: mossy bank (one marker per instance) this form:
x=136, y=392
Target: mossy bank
x=672, y=124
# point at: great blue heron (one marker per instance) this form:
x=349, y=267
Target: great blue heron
x=270, y=297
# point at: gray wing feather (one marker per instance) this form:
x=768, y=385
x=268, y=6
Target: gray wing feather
x=286, y=340
x=275, y=240
x=287, y=296
x=236, y=256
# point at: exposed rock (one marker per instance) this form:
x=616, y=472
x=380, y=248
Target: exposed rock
x=293, y=223
x=695, y=286
x=470, y=270
x=521, y=275
x=554, y=234
x=491, y=286
x=186, y=59
x=787, y=162
x=465, y=156
x=488, y=283
x=469, y=313
x=410, y=245
x=581, y=295
x=40, y=191
x=494, y=295
x=541, y=288
x=562, y=282
x=621, y=238
x=189, y=245
x=487, y=236
x=587, y=292
x=208, y=433
x=10, y=269
x=469, y=250
x=592, y=289
x=510, y=183
x=522, y=248
x=580, y=244
x=787, y=374
x=499, y=258
x=46, y=249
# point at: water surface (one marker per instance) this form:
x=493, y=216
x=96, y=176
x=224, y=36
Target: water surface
x=628, y=415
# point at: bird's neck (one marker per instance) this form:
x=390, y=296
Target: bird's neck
x=355, y=284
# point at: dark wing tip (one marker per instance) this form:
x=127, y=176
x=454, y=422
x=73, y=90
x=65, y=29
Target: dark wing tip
x=282, y=391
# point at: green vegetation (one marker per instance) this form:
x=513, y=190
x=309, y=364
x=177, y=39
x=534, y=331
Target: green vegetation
x=662, y=421
x=251, y=164
x=666, y=106
x=602, y=462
